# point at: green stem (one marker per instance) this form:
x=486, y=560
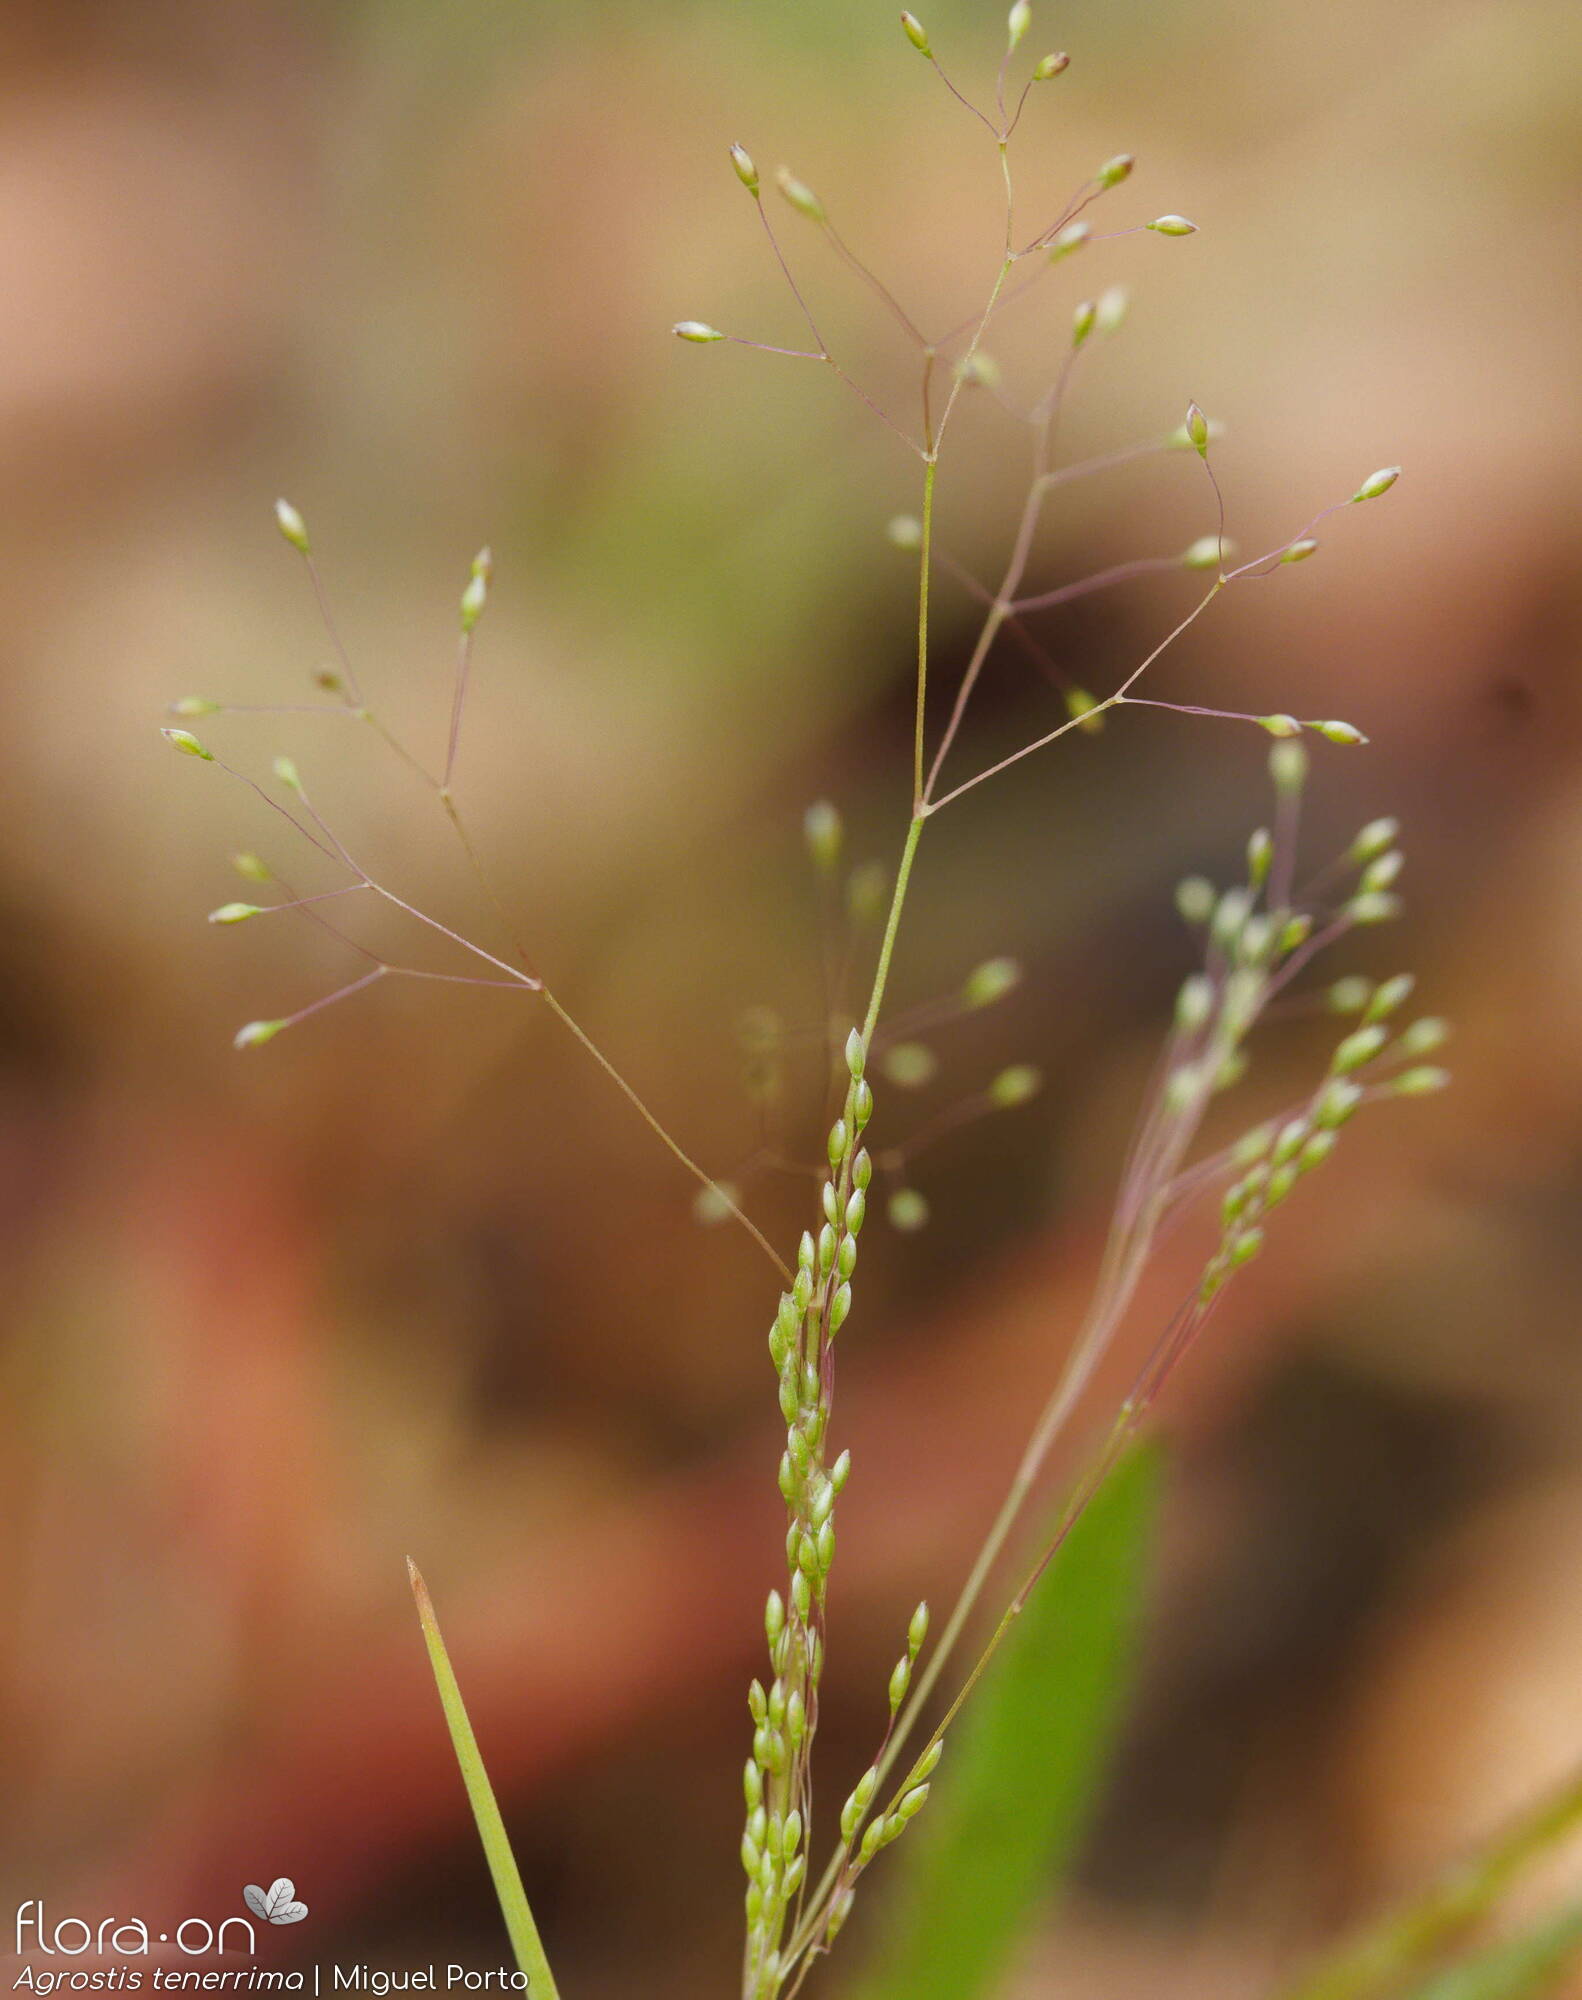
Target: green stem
x=525, y=1941
x=925, y=568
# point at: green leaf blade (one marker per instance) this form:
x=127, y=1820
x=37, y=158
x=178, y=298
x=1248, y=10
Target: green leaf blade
x=1528, y=1967
x=525, y=1941
x=1022, y=1770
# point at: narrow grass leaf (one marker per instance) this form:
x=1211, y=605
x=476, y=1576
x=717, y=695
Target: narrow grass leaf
x=508, y=1888
x=1528, y=1967
x=1378, y=1962
x=1022, y=1771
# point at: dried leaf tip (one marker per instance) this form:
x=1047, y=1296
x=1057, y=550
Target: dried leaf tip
x=291, y=525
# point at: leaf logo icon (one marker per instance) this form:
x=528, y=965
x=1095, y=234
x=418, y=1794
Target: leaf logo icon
x=277, y=1904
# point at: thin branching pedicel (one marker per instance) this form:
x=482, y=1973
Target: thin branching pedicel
x=1259, y=936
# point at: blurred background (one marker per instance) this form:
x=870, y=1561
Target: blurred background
x=413, y=1279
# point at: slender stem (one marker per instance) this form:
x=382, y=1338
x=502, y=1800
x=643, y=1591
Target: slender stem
x=925, y=568
x=653, y=1124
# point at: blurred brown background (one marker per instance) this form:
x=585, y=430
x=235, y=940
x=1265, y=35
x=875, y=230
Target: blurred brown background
x=413, y=1279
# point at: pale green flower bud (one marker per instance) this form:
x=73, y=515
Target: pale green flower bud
x=1391, y=994
x=905, y=532
x=856, y=1211
x=1280, y=725
x=1082, y=321
x=746, y=172
x=194, y=704
x=822, y=830
x=1339, y=1100
x=1018, y=21
x=910, y=1065
x=473, y=599
x=1051, y=65
x=711, y=1206
x=840, y=1305
x=856, y=1053
x=990, y=981
x=1207, y=552
x=1381, y=873
x=1016, y=1085
x=1173, y=225
x=907, y=1210
x=1084, y=709
x=251, y=868
x=1260, y=855
x=1420, y=1082
x=911, y=1803
x=286, y=771
x=979, y=371
x=1377, y=483
x=900, y=1681
x=1195, y=899
x=234, y=913
x=1288, y=768
x=1350, y=995
x=1374, y=839
x=1197, y=430
x=861, y=1170
x=1194, y=1003
x=801, y=197
x=188, y=744
x=291, y=525
x=1072, y=237
x=696, y=330
x=256, y=1033
x=1340, y=732
x=1113, y=172
x=915, y=34
x=839, y=1139
x=1299, y=551
x=1358, y=1049
x=1424, y=1036
x=917, y=1629
x=1112, y=309
x=1373, y=909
